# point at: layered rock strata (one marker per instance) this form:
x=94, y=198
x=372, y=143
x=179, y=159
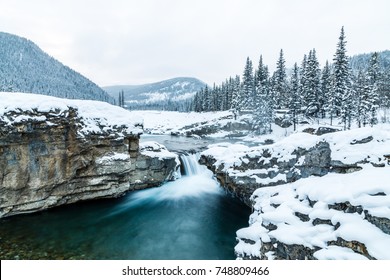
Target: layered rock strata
x=63, y=153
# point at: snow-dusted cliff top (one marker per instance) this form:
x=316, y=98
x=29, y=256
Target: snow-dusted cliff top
x=95, y=117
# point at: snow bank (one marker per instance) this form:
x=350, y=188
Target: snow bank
x=165, y=122
x=343, y=212
x=278, y=206
x=323, y=214
x=154, y=149
x=95, y=116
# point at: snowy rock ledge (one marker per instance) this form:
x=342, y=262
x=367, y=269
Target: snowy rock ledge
x=55, y=151
x=155, y=164
x=313, y=197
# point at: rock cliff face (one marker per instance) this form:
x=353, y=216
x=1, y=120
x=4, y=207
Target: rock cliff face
x=268, y=168
x=64, y=154
x=313, y=197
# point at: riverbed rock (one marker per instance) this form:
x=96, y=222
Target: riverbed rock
x=66, y=152
x=154, y=166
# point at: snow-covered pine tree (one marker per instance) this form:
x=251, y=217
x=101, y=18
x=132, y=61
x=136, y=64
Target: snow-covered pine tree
x=262, y=109
x=311, y=86
x=362, y=99
x=325, y=88
x=384, y=93
x=247, y=87
x=280, y=80
x=236, y=98
x=206, y=99
x=121, y=99
x=373, y=78
x=229, y=97
x=341, y=94
x=294, y=103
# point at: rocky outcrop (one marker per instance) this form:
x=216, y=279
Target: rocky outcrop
x=154, y=165
x=63, y=154
x=226, y=126
x=305, y=221
x=244, y=169
x=313, y=197
x=268, y=168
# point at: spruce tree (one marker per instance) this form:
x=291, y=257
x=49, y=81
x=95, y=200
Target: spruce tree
x=206, y=99
x=280, y=80
x=373, y=78
x=341, y=94
x=295, y=100
x=362, y=99
x=236, y=98
x=247, y=87
x=311, y=87
x=262, y=112
x=325, y=89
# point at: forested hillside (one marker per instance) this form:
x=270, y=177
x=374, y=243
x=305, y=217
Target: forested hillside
x=171, y=95
x=24, y=67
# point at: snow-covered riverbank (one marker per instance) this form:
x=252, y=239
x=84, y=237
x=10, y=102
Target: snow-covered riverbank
x=314, y=197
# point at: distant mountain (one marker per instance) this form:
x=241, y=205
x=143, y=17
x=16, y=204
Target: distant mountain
x=173, y=94
x=25, y=67
x=361, y=61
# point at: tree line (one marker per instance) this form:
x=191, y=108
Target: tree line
x=338, y=92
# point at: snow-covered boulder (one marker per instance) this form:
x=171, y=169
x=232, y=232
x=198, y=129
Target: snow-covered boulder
x=155, y=165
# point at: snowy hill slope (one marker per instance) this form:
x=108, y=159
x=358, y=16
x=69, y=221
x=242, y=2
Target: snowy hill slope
x=159, y=95
x=26, y=68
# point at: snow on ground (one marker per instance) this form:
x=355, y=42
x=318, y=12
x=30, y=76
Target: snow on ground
x=278, y=205
x=368, y=189
x=164, y=122
x=95, y=115
x=154, y=149
x=342, y=145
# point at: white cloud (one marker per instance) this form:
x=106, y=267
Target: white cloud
x=136, y=41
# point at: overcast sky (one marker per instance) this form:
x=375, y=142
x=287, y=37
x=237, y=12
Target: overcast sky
x=139, y=41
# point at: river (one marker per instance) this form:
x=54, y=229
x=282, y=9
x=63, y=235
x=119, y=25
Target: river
x=190, y=218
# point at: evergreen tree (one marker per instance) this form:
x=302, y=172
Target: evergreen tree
x=280, y=83
x=121, y=99
x=362, y=99
x=247, y=87
x=262, y=112
x=311, y=86
x=325, y=89
x=295, y=100
x=341, y=94
x=206, y=99
x=373, y=78
x=384, y=92
x=236, y=98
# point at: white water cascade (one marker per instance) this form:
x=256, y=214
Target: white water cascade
x=196, y=181
x=190, y=218
x=191, y=166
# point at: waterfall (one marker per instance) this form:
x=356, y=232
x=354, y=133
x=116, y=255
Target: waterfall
x=196, y=181
x=190, y=164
